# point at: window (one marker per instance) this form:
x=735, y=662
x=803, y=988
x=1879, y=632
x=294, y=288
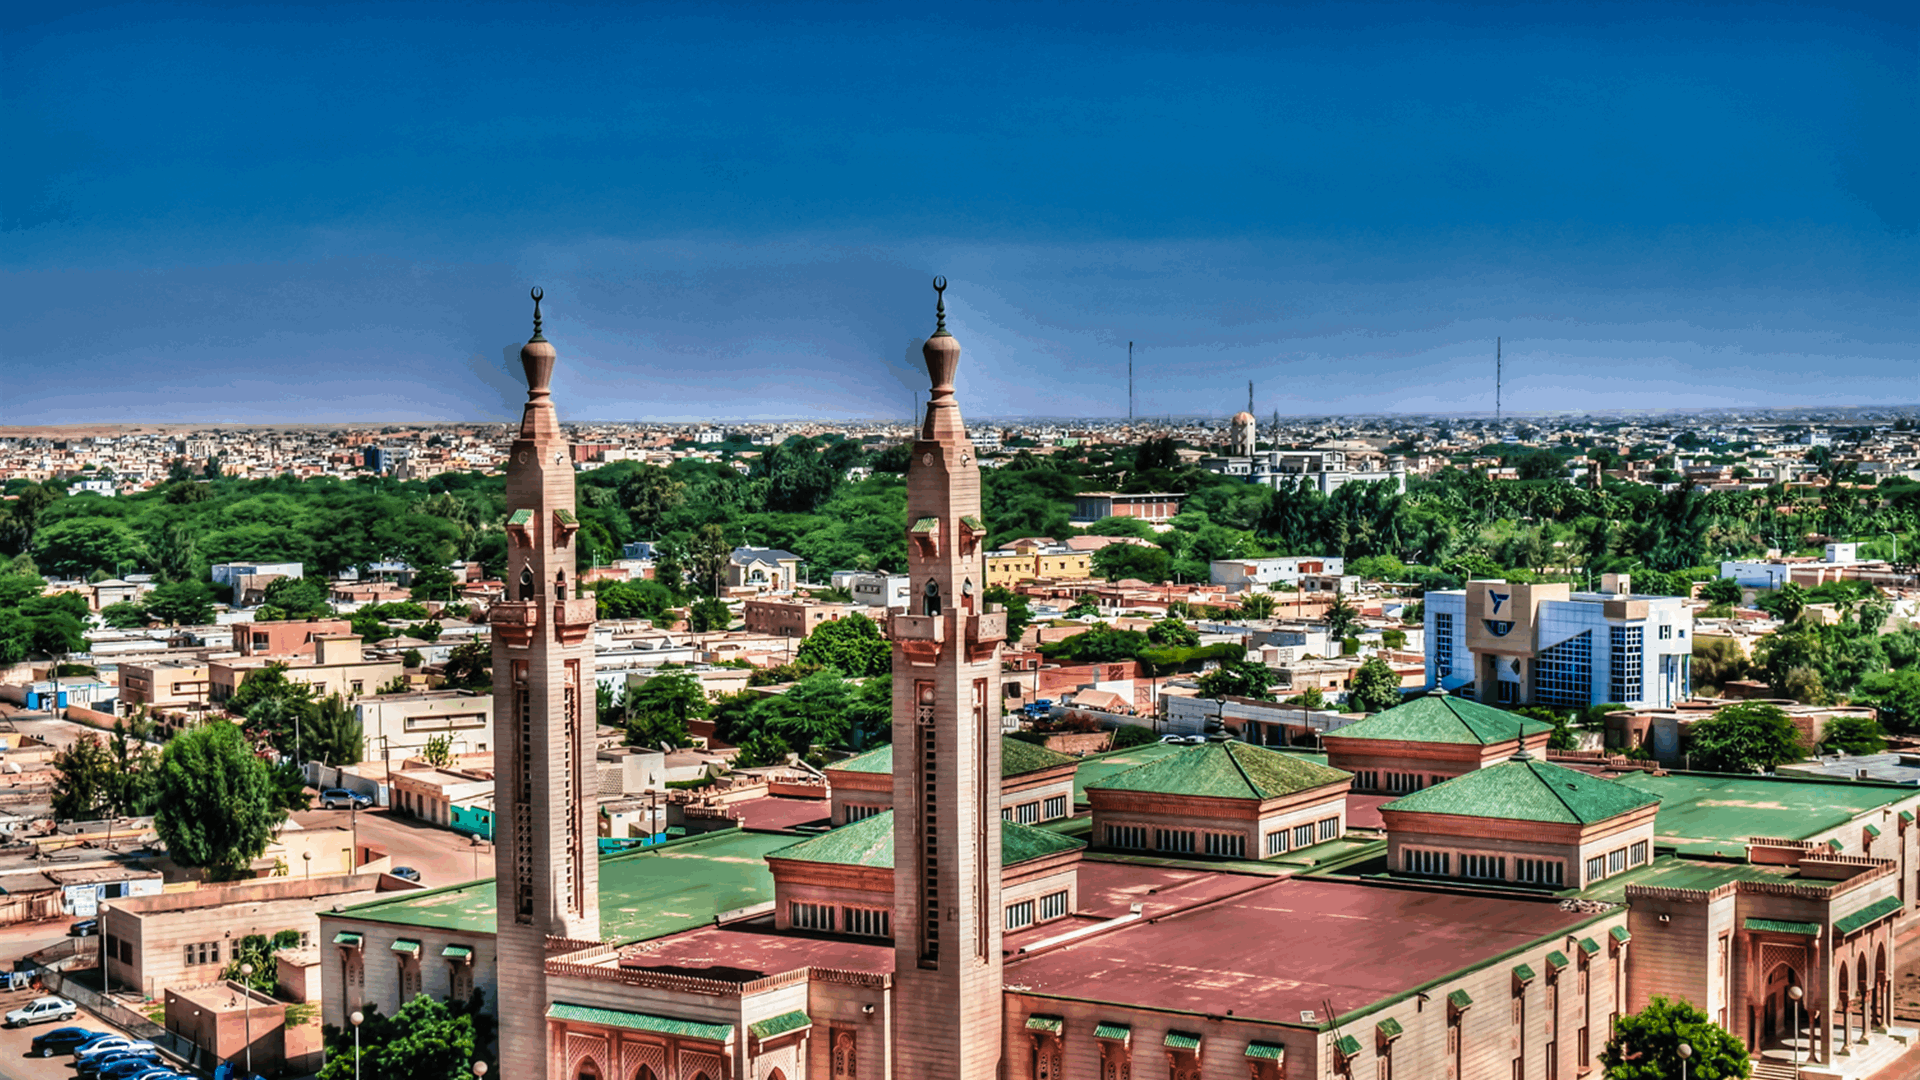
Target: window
x=1178, y=841
x=1330, y=829
x=1302, y=836
x=460, y=982
x=1056, y=808
x=409, y=980
x=1006, y=813
x=1424, y=862
x=1563, y=674
x=1509, y=692
x=1443, y=644
x=1638, y=853
x=1227, y=845
x=1596, y=868
x=1127, y=836
x=1666, y=632
x=1628, y=651
x=1020, y=915
x=1616, y=861
x=1054, y=905
x=1539, y=871
x=867, y=922
x=1277, y=842
x=810, y=916
x=1027, y=813
x=1486, y=867
x=1366, y=780
x=203, y=952
x=855, y=811
x=357, y=686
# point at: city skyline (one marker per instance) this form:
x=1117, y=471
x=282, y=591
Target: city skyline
x=733, y=211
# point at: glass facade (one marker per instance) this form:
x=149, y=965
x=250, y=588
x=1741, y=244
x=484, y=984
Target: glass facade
x=1629, y=651
x=1563, y=674
x=1443, y=644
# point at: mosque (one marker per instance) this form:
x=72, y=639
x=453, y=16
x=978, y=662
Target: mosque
x=1213, y=911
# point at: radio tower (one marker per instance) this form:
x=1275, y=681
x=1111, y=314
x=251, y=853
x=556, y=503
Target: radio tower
x=1129, y=383
x=1496, y=382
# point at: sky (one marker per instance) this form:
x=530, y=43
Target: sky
x=285, y=213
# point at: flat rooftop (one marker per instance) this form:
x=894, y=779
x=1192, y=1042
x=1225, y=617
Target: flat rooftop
x=1292, y=946
x=1109, y=890
x=1669, y=872
x=1892, y=768
x=1712, y=814
x=1097, y=767
x=646, y=894
x=782, y=812
x=753, y=949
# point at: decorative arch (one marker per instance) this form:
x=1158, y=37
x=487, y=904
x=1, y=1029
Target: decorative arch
x=846, y=1057
x=643, y=1061
x=646, y=1073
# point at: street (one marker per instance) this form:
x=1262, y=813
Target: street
x=442, y=856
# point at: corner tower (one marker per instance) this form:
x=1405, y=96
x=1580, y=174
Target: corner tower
x=546, y=869
x=946, y=738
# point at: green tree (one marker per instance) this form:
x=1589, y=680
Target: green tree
x=215, y=801
x=1376, y=687
x=1342, y=618
x=707, y=614
x=294, y=598
x=469, y=667
x=1128, y=735
x=1745, y=738
x=276, y=708
x=761, y=748
x=438, y=752
x=1116, y=561
x=259, y=951
x=1256, y=605
x=1019, y=611
x=1896, y=696
x=708, y=554
x=1310, y=698
x=1083, y=605
x=1784, y=603
x=181, y=603
x=85, y=779
x=396, y=685
x=853, y=645
x=124, y=615
x=333, y=736
x=658, y=709
x=1854, y=735
x=1646, y=1045
x=1173, y=632
x=1239, y=678
x=133, y=766
x=433, y=583
x=1721, y=591
x=427, y=1039
x=1717, y=661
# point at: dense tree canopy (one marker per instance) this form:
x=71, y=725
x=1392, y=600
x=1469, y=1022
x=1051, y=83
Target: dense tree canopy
x=216, y=804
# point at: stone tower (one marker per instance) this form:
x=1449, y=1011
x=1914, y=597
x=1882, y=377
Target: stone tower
x=946, y=739
x=546, y=868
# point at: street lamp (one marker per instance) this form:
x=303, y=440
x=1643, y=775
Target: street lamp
x=1686, y=1051
x=307, y=856
x=1794, y=994
x=480, y=1068
x=356, y=1019
x=246, y=989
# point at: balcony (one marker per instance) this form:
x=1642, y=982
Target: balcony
x=920, y=628
x=573, y=619
x=514, y=622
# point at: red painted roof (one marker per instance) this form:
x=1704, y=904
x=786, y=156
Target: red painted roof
x=1282, y=948
x=1363, y=811
x=753, y=949
x=782, y=812
x=1109, y=889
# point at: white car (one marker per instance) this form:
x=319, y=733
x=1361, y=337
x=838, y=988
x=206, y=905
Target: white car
x=42, y=1009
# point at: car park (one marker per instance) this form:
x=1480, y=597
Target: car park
x=84, y=928
x=342, y=799
x=42, y=1010
x=63, y=1040
x=129, y=1068
x=110, y=1044
x=98, y=1065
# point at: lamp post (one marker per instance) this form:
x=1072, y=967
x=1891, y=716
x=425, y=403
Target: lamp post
x=1794, y=994
x=480, y=1069
x=1686, y=1051
x=307, y=857
x=356, y=1020
x=246, y=990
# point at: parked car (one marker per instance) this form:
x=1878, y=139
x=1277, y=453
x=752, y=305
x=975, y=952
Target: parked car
x=342, y=799
x=115, y=1059
x=84, y=928
x=41, y=1010
x=62, y=1040
x=1174, y=740
x=128, y=1068
x=161, y=1073
x=405, y=873
x=110, y=1046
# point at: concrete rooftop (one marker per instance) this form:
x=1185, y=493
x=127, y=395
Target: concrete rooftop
x=1714, y=814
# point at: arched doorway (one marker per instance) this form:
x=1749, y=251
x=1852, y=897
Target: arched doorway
x=1783, y=1015
x=646, y=1073
x=1882, y=992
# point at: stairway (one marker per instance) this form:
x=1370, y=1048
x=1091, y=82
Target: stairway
x=1774, y=1070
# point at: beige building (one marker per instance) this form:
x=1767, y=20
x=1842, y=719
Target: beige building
x=164, y=685
x=338, y=667
x=792, y=618
x=399, y=726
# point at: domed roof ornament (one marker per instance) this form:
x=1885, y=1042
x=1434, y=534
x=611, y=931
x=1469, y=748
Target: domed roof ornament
x=537, y=295
x=940, y=306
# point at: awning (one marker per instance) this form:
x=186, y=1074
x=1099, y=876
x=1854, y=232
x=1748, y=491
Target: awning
x=1589, y=946
x=1114, y=1032
x=1557, y=960
x=457, y=952
x=411, y=948
x=1868, y=915
x=1835, y=845
x=1523, y=974
x=1053, y=1025
x=1906, y=817
x=783, y=1024
x=1873, y=831
x=520, y=517
x=1460, y=999
x=633, y=1021
x=1619, y=934
x=1180, y=1040
x=1260, y=1051
x=1781, y=926
x=348, y=938
x=1347, y=1045
x=1388, y=1029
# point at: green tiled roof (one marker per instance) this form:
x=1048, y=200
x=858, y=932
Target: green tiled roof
x=1523, y=973
x=1224, y=770
x=869, y=842
x=1443, y=718
x=411, y=948
x=926, y=524
x=1589, y=946
x=1557, y=960
x=974, y=523
x=633, y=1021
x=1016, y=759
x=456, y=952
x=1906, y=816
x=1620, y=934
x=351, y=940
x=1835, y=845
x=565, y=517
x=780, y=1025
x=1708, y=813
x=1459, y=999
x=1261, y=1051
x=520, y=517
x=1347, y=1045
x=1180, y=1040
x=1052, y=1024
x=1388, y=1028
x=1873, y=831
x=1778, y=926
x=1526, y=790
x=1872, y=913
x=1117, y=1032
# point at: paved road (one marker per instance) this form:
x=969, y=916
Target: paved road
x=442, y=856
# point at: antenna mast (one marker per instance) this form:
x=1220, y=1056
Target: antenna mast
x=1129, y=382
x=1497, y=371
x=1249, y=397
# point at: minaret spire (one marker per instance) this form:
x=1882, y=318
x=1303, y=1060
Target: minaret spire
x=946, y=784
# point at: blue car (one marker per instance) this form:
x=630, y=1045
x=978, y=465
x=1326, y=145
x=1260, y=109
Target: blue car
x=129, y=1063
x=129, y=1068
x=62, y=1040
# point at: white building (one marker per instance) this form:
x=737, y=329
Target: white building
x=1511, y=644
x=1326, y=468
x=1240, y=574
x=877, y=590
x=1773, y=573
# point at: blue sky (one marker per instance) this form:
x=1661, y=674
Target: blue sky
x=274, y=212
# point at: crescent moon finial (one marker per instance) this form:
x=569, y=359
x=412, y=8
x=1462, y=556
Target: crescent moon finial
x=538, y=294
x=940, y=304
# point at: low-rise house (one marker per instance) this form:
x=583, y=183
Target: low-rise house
x=1225, y=799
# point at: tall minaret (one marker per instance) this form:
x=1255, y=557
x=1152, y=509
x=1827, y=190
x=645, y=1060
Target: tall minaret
x=946, y=739
x=546, y=868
